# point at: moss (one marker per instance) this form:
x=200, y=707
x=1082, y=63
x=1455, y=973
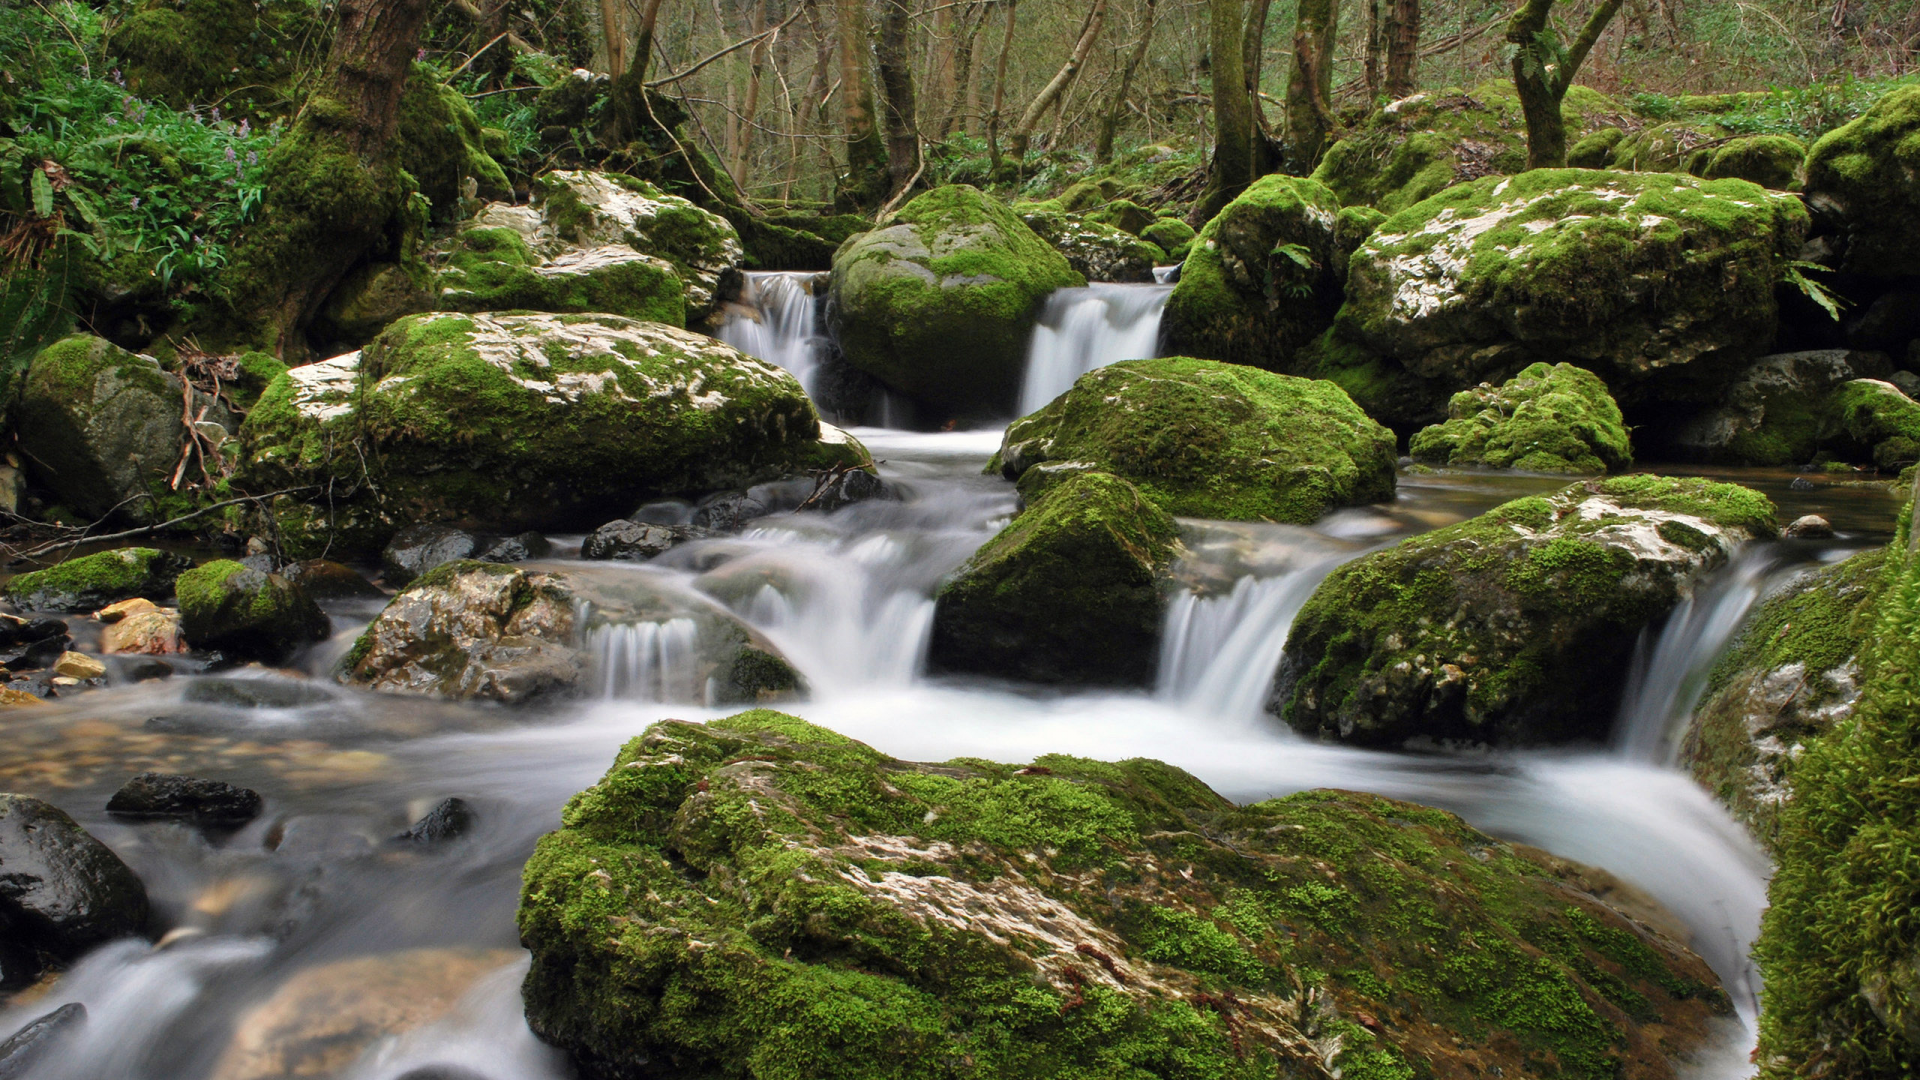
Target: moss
x=1861, y=174
x=1545, y=419
x=592, y=209
x=1123, y=214
x=100, y=427
x=1772, y=161
x=1515, y=627
x=246, y=613
x=1680, y=146
x=1260, y=279
x=1867, y=420
x=955, y=265
x=91, y=582
x=1212, y=440
x=1072, y=590
x=441, y=146
x=255, y=372
x=1172, y=235
x=756, y=675
x=492, y=269
x=239, y=55
x=755, y=897
x=1596, y=150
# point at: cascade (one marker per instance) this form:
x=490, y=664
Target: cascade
x=777, y=319
x=647, y=661
x=1218, y=653
x=1086, y=328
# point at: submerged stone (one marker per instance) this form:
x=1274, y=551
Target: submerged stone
x=62, y=892
x=1555, y=418
x=167, y=795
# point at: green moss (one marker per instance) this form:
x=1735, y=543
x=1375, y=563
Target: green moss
x=1595, y=150
x=239, y=55
x=1772, y=161
x=441, y=146
x=493, y=270
x=1867, y=420
x=1096, y=251
x=1681, y=146
x=93, y=581
x=1545, y=419
x=1212, y=440
x=1862, y=172
x=1173, y=235
x=257, y=370
x=100, y=427
x=246, y=613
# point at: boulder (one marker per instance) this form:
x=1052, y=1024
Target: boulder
x=153, y=633
x=1807, y=527
x=500, y=423
x=1772, y=161
x=494, y=269
x=100, y=427
x=1785, y=681
x=1662, y=284
x=1123, y=214
x=632, y=540
x=169, y=796
x=438, y=142
x=94, y=581
x=760, y=896
x=1259, y=281
x=449, y=819
x=79, y=666
x=1096, y=251
x=1677, y=146
x=956, y=265
x=61, y=891
x=371, y=297
x=1073, y=590
x=324, y=579
x=1796, y=408
x=417, y=549
x=247, y=613
x=1555, y=418
x=1514, y=628
x=1172, y=235
x=1860, y=184
x=595, y=210
x=43, y=1036
x=1206, y=439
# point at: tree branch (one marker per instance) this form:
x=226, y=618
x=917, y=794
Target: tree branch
x=1589, y=36
x=733, y=48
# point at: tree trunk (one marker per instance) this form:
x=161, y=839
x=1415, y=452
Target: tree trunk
x=1266, y=156
x=1310, y=120
x=1542, y=72
x=757, y=63
x=1000, y=90
x=943, y=47
x=1117, y=108
x=865, y=184
x=959, y=102
x=1403, y=48
x=1232, y=167
x=896, y=83
x=1050, y=94
x=1376, y=51
x=616, y=37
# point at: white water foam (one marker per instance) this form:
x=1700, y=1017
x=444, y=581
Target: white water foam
x=1087, y=328
x=777, y=320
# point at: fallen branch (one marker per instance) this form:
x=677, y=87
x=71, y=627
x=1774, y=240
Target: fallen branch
x=146, y=530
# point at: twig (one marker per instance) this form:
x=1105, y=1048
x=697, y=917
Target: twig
x=144, y=530
x=733, y=48
x=468, y=62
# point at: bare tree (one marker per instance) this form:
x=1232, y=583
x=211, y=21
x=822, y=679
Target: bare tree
x=1310, y=119
x=1543, y=71
x=757, y=64
x=1049, y=95
x=1403, y=47
x=1117, y=108
x=615, y=34
x=1000, y=89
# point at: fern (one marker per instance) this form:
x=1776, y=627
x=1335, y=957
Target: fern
x=1795, y=275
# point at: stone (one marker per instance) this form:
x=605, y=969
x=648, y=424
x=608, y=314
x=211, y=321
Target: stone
x=1205, y=439
x=1889, y=324
x=704, y=904
x=1772, y=161
x=74, y=665
x=844, y=487
x=593, y=209
x=371, y=298
x=152, y=795
x=1859, y=183
x=255, y=694
x=417, y=549
x=324, y=579
x=113, y=613
x=41, y=1037
x=438, y=142
x=955, y=265
x=1779, y=410
x=495, y=269
x=1173, y=236
x=505, y=549
x=449, y=819
x=726, y=511
x=1808, y=527
x=247, y=613
x=62, y=892
x=624, y=539
x=1677, y=146
x=1515, y=628
x=94, y=581
x=14, y=699
x=1098, y=252
x=1555, y=419
x=1259, y=281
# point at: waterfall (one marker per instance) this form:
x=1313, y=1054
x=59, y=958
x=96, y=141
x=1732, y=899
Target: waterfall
x=777, y=320
x=648, y=661
x=1087, y=328
x=1218, y=653
x=1668, y=679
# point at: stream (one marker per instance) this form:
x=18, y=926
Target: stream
x=317, y=879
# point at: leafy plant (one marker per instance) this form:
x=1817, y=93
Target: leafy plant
x=1795, y=275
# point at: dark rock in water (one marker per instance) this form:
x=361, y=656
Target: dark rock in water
x=1810, y=527
x=634, y=540
x=440, y=1072
x=17, y=631
x=1801, y=483
x=255, y=693
x=506, y=549
x=324, y=579
x=145, y=668
x=726, y=511
x=450, y=819
x=246, y=613
x=32, y=1043
x=34, y=654
x=838, y=489
x=61, y=891
x=94, y=581
x=664, y=512
x=1889, y=322
x=419, y=548
x=168, y=795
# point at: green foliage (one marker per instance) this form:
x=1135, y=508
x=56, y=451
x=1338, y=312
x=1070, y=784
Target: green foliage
x=1556, y=418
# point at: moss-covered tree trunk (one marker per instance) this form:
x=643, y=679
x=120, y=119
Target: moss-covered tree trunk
x=1232, y=167
x=1310, y=121
x=335, y=191
x=1543, y=70
x=896, y=84
x=1253, y=51
x=865, y=182
x=1000, y=89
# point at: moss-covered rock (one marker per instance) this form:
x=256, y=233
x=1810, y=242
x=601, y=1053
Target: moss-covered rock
x=502, y=423
x=955, y=266
x=247, y=613
x=493, y=269
x=91, y=582
x=101, y=427
x=757, y=896
x=1595, y=151
x=1173, y=236
x=1807, y=407
x=1514, y=628
x=1772, y=161
x=239, y=55
x=1678, y=146
x=440, y=144
x=1259, y=281
x=1205, y=439
x=1555, y=418
x=1662, y=284
x=1098, y=252
x=371, y=298
x=1791, y=675
x=1868, y=420
x=1861, y=178
x=1073, y=590
x=591, y=210
x=1123, y=214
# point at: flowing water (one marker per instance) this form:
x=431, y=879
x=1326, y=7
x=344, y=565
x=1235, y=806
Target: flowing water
x=1083, y=329
x=777, y=319
x=265, y=920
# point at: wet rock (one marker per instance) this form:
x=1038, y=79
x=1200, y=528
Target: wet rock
x=448, y=820
x=1556, y=418
x=1808, y=527
x=323, y=1018
x=247, y=613
x=1787, y=408
x=15, y=631
x=11, y=698
x=61, y=891
x=633, y=540
x=146, y=670
x=42, y=1037
x=155, y=633
x=34, y=654
x=203, y=802
x=1098, y=251
x=726, y=511
x=1067, y=911
x=664, y=512
x=256, y=693
x=80, y=666
x=94, y=581
x=113, y=613
x=417, y=549
x=511, y=549
x=844, y=487
x=1514, y=628
x=1801, y=483
x=324, y=579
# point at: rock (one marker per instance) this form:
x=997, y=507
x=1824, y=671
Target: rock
x=1073, y=590
x=255, y=694
x=147, y=670
x=590, y=209
x=705, y=902
x=323, y=1018
x=1870, y=421
x=80, y=666
x=1205, y=439
x=1778, y=411
x=438, y=142
x=100, y=427
x=501, y=423
x=326, y=580
x=61, y=891
x=1545, y=419
x=1678, y=146
x=1890, y=324
x=1123, y=214
x=39, y=1038
x=1906, y=382
x=955, y=265
x=1860, y=180
x=504, y=549
x=633, y=540
x=494, y=269
x=113, y=613
x=726, y=511
x=417, y=549
x=1096, y=251
x=1808, y=527
x=247, y=613
x=449, y=819
x=1661, y=284
x=1801, y=483
x=1515, y=628
x=1172, y=235
x=94, y=581
x=14, y=699
x=202, y=802
x=844, y=487
x=373, y=297
x=1259, y=281
x=1772, y=161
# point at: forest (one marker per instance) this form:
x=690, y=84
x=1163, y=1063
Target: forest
x=1101, y=539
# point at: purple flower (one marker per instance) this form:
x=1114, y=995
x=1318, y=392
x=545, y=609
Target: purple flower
x=134, y=203
x=216, y=114
x=112, y=120
x=230, y=154
x=243, y=127
x=420, y=55
x=253, y=157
